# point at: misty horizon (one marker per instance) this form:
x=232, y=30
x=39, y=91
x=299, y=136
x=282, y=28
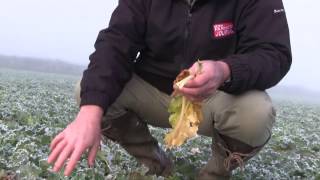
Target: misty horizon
x=279, y=92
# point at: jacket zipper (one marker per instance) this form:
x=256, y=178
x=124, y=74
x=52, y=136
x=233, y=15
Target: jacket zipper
x=187, y=35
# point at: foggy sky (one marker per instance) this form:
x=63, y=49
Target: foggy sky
x=67, y=29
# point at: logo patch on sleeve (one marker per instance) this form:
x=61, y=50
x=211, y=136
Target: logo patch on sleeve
x=222, y=30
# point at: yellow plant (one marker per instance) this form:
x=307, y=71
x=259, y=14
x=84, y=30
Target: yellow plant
x=185, y=116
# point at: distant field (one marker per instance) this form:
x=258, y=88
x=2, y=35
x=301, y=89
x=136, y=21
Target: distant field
x=36, y=106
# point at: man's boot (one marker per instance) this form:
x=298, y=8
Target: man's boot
x=134, y=136
x=227, y=154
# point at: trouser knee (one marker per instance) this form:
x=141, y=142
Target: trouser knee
x=256, y=129
x=250, y=119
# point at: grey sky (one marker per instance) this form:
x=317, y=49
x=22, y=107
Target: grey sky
x=67, y=29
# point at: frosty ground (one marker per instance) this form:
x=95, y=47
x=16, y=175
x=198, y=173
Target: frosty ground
x=36, y=106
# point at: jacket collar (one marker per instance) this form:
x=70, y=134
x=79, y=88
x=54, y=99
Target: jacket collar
x=191, y=2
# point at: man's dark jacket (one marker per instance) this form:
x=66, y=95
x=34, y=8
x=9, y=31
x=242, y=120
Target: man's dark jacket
x=251, y=36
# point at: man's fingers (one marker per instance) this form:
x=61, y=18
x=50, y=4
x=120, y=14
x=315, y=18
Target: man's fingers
x=62, y=158
x=194, y=69
x=75, y=157
x=194, y=92
x=56, y=140
x=56, y=151
x=93, y=153
x=199, y=81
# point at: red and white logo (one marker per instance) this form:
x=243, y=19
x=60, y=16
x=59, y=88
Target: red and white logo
x=222, y=30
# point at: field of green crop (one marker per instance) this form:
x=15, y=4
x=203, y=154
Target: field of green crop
x=36, y=106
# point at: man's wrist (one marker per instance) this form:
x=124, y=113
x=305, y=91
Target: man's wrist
x=225, y=71
x=96, y=112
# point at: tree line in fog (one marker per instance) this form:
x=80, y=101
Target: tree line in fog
x=40, y=65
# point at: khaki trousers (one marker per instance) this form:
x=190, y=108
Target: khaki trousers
x=248, y=117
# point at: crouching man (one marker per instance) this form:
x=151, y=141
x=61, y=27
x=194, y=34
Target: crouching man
x=244, y=47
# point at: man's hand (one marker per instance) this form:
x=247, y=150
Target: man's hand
x=213, y=75
x=82, y=134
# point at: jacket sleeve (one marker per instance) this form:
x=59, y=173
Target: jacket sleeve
x=263, y=53
x=111, y=64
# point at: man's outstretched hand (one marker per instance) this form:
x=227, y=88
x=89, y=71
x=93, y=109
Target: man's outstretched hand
x=82, y=134
x=213, y=74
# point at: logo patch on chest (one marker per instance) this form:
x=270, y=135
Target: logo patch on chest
x=222, y=30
